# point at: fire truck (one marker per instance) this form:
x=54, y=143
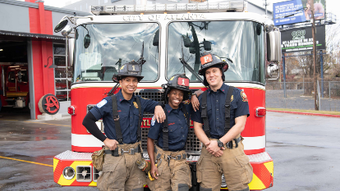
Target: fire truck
x=171, y=38
x=14, y=84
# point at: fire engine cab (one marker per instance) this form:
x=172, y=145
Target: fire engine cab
x=171, y=38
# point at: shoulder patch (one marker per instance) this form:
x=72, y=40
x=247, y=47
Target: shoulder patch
x=145, y=98
x=186, y=102
x=102, y=103
x=244, y=96
x=153, y=121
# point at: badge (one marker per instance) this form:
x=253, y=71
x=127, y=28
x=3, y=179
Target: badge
x=102, y=103
x=232, y=98
x=153, y=121
x=135, y=104
x=244, y=96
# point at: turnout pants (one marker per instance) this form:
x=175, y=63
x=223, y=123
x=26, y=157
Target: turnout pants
x=174, y=171
x=234, y=164
x=120, y=173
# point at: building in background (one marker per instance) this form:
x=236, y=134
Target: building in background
x=32, y=56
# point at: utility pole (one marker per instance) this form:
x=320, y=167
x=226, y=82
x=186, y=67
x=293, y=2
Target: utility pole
x=314, y=55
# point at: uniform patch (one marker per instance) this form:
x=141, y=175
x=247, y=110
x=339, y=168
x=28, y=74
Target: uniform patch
x=135, y=104
x=153, y=121
x=186, y=102
x=244, y=96
x=232, y=98
x=102, y=103
x=145, y=98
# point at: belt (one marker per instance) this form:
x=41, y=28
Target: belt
x=230, y=144
x=130, y=151
x=175, y=157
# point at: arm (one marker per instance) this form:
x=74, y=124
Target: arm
x=198, y=128
x=194, y=100
x=151, y=152
x=90, y=124
x=159, y=114
x=153, y=107
x=240, y=123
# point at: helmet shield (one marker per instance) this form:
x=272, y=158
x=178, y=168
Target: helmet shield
x=180, y=82
x=210, y=60
x=130, y=69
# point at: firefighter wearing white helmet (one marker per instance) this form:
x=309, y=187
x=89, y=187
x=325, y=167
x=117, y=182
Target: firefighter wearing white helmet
x=223, y=110
x=171, y=172
x=122, y=114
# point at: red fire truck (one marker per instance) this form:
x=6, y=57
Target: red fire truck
x=170, y=37
x=14, y=85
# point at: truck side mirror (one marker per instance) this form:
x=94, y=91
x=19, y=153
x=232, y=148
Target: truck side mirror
x=274, y=50
x=273, y=72
x=70, y=49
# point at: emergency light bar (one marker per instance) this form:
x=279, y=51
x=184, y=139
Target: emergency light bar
x=225, y=6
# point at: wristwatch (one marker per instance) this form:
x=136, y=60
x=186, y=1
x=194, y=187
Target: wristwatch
x=194, y=94
x=219, y=143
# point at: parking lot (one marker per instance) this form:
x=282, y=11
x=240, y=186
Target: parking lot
x=305, y=150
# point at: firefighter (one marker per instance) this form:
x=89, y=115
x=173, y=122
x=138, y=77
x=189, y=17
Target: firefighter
x=172, y=171
x=224, y=110
x=122, y=114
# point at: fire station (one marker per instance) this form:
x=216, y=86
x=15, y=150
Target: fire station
x=33, y=58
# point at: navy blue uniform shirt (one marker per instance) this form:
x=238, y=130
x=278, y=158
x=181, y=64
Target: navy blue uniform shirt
x=128, y=115
x=216, y=109
x=178, y=128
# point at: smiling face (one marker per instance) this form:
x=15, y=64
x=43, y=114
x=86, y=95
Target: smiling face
x=175, y=97
x=128, y=85
x=214, y=77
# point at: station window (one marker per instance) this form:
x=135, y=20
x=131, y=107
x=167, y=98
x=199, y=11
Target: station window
x=62, y=73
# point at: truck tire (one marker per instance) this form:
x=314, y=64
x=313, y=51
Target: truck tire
x=49, y=104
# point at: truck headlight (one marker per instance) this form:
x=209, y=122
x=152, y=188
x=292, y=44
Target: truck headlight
x=68, y=173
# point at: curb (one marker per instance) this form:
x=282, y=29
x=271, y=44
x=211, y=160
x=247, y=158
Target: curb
x=305, y=113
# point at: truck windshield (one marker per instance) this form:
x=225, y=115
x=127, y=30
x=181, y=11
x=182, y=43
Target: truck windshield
x=241, y=41
x=109, y=46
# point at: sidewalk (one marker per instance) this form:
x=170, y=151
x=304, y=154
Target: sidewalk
x=306, y=112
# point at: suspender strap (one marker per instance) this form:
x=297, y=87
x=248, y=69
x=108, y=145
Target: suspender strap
x=204, y=114
x=116, y=119
x=227, y=109
x=165, y=131
x=140, y=118
x=186, y=115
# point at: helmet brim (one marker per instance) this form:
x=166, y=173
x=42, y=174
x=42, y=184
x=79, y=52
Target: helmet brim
x=118, y=77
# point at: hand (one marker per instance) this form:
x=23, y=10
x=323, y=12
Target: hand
x=195, y=103
x=111, y=143
x=154, y=171
x=159, y=114
x=213, y=148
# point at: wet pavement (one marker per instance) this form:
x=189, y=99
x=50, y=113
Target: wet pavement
x=34, y=143
x=305, y=150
